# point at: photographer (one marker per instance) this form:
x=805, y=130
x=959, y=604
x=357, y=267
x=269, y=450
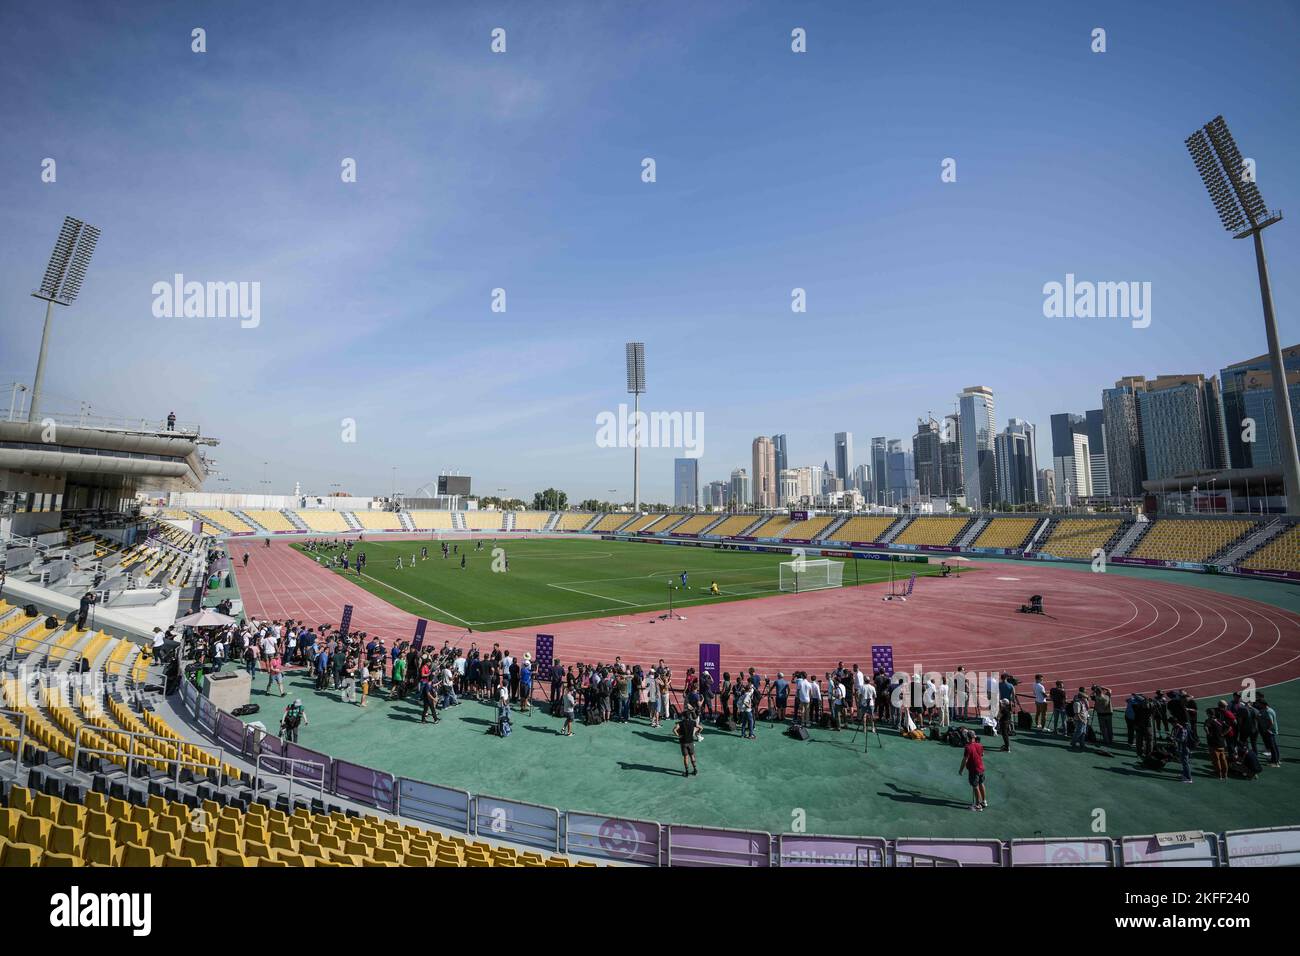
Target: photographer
x=1101, y=703
x=294, y=716
x=1216, y=738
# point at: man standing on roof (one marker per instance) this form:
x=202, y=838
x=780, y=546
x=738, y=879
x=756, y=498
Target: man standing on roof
x=171, y=421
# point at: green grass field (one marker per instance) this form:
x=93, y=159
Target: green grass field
x=559, y=580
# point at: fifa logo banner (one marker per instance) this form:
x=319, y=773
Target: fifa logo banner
x=347, y=620
x=882, y=658
x=711, y=662
x=418, y=641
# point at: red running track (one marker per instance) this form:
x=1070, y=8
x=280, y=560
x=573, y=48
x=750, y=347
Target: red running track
x=1130, y=634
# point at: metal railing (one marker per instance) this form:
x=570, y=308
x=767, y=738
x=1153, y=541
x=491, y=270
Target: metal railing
x=21, y=739
x=133, y=758
x=291, y=775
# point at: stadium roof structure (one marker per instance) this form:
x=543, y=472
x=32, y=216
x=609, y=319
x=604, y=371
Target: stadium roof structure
x=69, y=449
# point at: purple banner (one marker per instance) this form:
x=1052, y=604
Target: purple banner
x=711, y=663
x=612, y=838
x=795, y=849
x=1084, y=851
x=543, y=656
x=1143, y=562
x=231, y=731
x=371, y=787
x=1254, y=572
x=882, y=658
x=709, y=846
x=270, y=748
x=418, y=641
x=347, y=621
x=307, y=771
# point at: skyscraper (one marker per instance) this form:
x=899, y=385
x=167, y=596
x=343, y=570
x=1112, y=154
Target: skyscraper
x=764, y=456
x=1180, y=432
x=901, y=471
x=1125, y=462
x=1236, y=382
x=928, y=458
x=717, y=493
x=1261, y=413
x=862, y=480
x=1095, y=423
x=950, y=455
x=844, y=457
x=879, y=469
x=740, y=490
x=1047, y=486
x=778, y=445
x=1017, y=478
x=1071, y=458
x=686, y=483
x=977, y=453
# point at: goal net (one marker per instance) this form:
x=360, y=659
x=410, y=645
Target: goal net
x=803, y=574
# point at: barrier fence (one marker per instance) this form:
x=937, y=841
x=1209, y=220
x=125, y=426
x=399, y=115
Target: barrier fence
x=626, y=840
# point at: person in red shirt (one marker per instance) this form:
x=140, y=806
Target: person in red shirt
x=972, y=761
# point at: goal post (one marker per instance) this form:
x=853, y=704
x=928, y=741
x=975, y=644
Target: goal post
x=803, y=574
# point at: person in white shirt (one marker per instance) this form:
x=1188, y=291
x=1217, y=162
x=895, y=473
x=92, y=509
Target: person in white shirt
x=1040, y=703
x=814, y=700
x=944, y=705
x=859, y=681
x=802, y=699
x=837, y=701
x=867, y=706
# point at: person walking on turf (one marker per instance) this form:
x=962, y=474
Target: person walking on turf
x=972, y=762
x=294, y=716
x=430, y=698
x=1183, y=747
x=566, y=708
x=1004, y=724
x=686, y=730
x=274, y=674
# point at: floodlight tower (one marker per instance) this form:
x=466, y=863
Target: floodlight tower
x=1241, y=209
x=63, y=276
x=636, y=386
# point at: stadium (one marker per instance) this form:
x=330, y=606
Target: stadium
x=315, y=554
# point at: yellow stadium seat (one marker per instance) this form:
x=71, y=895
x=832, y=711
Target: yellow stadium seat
x=20, y=799
x=136, y=856
x=63, y=840
x=61, y=859
x=33, y=830
x=162, y=842
x=231, y=858
x=196, y=850
x=21, y=855
x=175, y=860
x=98, y=850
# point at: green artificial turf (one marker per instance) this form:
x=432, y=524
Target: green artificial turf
x=834, y=783
x=565, y=580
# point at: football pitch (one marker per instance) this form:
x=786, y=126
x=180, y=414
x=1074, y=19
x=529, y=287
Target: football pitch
x=564, y=580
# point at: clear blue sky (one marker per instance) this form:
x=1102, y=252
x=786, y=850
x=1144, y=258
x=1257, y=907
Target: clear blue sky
x=522, y=171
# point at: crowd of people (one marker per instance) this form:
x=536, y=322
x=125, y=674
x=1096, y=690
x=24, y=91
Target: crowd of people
x=360, y=667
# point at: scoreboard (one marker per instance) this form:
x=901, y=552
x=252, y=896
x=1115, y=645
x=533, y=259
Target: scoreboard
x=453, y=485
